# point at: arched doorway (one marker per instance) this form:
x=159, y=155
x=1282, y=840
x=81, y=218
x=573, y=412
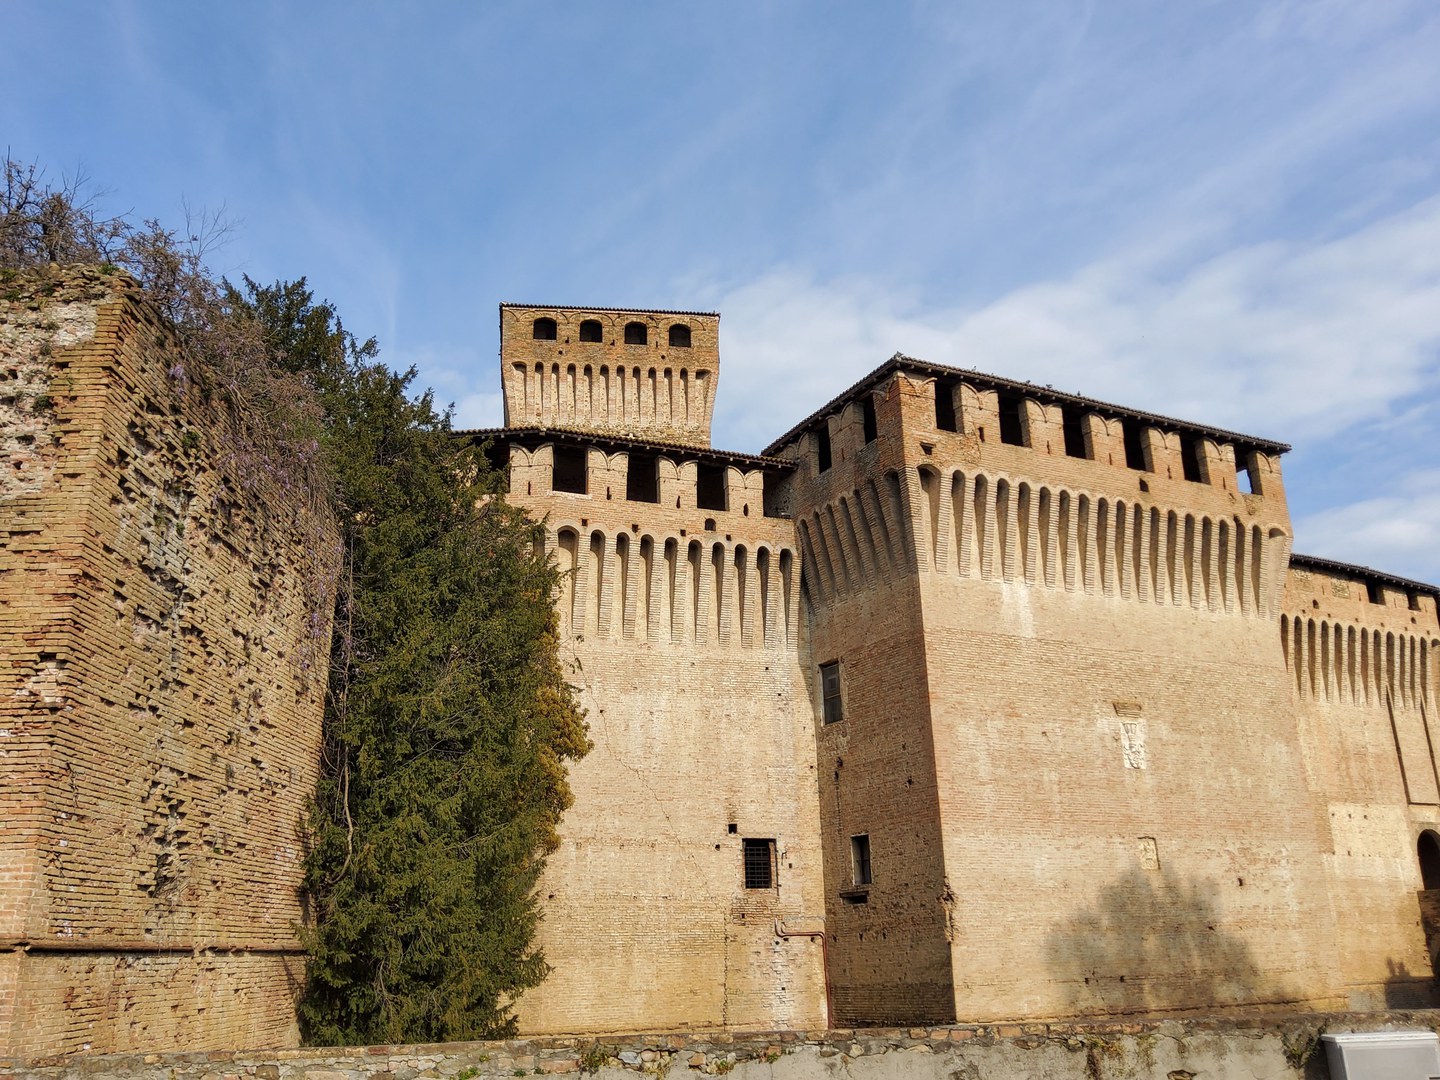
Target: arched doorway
x=1428, y=849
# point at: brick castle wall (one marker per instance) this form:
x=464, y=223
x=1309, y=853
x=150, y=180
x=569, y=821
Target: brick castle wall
x=682, y=626
x=164, y=628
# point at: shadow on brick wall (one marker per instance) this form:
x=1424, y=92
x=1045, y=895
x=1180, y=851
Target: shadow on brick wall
x=1154, y=942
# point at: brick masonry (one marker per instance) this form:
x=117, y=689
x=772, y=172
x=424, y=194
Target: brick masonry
x=164, y=633
x=1091, y=778
x=1112, y=750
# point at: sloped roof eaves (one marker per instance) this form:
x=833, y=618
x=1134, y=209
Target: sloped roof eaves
x=1314, y=562
x=900, y=362
x=580, y=435
x=609, y=310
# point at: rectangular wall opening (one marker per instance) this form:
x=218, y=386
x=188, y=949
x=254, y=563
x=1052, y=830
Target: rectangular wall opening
x=710, y=487
x=1012, y=418
x=1072, y=424
x=860, y=860
x=945, y=405
x=759, y=864
x=822, y=446
x=1190, y=457
x=1134, y=445
x=867, y=417
x=570, y=472
x=642, y=478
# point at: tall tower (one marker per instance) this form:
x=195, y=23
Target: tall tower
x=637, y=374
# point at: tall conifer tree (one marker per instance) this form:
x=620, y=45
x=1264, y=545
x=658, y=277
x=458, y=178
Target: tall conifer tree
x=449, y=719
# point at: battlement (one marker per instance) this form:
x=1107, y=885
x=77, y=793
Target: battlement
x=635, y=373
x=974, y=415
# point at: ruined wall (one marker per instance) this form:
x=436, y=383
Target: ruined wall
x=662, y=388
x=682, y=626
x=1361, y=658
x=164, y=628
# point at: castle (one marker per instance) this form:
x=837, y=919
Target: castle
x=965, y=700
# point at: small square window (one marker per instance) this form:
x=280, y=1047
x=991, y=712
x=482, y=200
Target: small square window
x=830, y=692
x=759, y=864
x=860, y=860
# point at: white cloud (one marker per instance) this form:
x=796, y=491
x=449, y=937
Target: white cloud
x=1287, y=340
x=1400, y=530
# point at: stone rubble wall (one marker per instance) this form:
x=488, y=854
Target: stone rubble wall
x=1192, y=1049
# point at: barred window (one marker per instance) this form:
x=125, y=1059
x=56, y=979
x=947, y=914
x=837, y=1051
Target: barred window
x=759, y=864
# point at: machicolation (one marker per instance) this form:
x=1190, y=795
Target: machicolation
x=966, y=700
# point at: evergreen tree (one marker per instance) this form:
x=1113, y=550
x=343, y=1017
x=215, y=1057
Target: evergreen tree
x=448, y=720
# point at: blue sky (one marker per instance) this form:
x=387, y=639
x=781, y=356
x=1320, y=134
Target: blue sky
x=1228, y=212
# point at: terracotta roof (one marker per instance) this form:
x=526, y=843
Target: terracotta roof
x=1351, y=570
x=611, y=310
x=672, y=449
x=1040, y=392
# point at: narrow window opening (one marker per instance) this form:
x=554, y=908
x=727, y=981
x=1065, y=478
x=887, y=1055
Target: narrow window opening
x=635, y=334
x=679, y=336
x=1012, y=422
x=759, y=863
x=945, y=405
x=1429, y=851
x=1190, y=457
x=591, y=330
x=642, y=479
x=570, y=470
x=867, y=417
x=710, y=487
x=832, y=705
x=1244, y=482
x=1374, y=592
x=1134, y=445
x=544, y=330
x=775, y=490
x=822, y=446
x=860, y=860
x=1072, y=423
x=1414, y=599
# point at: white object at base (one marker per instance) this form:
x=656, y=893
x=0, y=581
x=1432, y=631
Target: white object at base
x=1383, y=1055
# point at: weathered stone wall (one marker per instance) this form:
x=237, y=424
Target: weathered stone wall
x=1277, y=1048
x=164, y=635
x=1361, y=663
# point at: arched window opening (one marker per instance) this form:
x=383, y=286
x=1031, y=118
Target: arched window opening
x=679, y=336
x=635, y=333
x=591, y=330
x=1429, y=852
x=544, y=329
